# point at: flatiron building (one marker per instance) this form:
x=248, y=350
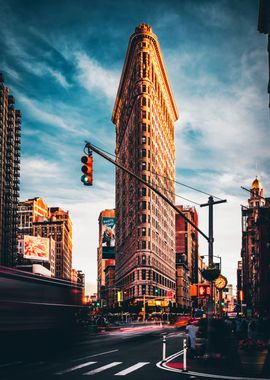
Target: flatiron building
x=144, y=114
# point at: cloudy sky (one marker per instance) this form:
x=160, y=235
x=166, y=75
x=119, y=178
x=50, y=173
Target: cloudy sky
x=62, y=60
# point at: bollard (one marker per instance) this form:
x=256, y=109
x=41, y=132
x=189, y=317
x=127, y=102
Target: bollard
x=164, y=348
x=185, y=355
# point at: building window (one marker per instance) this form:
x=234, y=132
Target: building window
x=144, y=127
x=144, y=101
x=143, y=165
x=143, y=231
x=144, y=191
x=143, y=140
x=143, y=288
x=143, y=244
x=143, y=274
x=143, y=152
x=144, y=88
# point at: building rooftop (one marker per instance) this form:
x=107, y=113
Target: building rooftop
x=256, y=184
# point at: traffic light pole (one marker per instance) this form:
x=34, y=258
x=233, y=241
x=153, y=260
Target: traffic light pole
x=210, y=204
x=96, y=150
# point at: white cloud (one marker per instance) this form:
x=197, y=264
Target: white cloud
x=37, y=111
x=93, y=77
x=42, y=69
x=59, y=77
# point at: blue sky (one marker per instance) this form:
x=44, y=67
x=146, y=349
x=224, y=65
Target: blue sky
x=63, y=59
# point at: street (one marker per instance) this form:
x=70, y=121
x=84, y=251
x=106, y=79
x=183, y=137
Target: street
x=131, y=352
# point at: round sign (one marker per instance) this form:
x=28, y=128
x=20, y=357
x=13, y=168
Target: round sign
x=221, y=282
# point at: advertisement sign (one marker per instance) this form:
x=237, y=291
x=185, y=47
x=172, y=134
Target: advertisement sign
x=108, y=238
x=36, y=248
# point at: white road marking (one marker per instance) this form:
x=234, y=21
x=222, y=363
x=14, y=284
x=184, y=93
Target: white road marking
x=103, y=368
x=131, y=369
x=92, y=356
x=74, y=368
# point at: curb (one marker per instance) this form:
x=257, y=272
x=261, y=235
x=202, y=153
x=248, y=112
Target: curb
x=163, y=365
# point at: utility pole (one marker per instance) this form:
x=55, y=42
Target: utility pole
x=210, y=204
x=144, y=308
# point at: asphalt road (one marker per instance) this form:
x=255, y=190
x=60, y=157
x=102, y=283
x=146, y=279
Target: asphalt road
x=132, y=353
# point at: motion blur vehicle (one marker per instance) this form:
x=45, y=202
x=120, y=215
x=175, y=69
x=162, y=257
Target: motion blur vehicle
x=182, y=321
x=185, y=320
x=32, y=302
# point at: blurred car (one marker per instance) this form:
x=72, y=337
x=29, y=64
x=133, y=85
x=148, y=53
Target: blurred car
x=185, y=320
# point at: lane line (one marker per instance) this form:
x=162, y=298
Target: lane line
x=74, y=368
x=103, y=368
x=92, y=356
x=131, y=369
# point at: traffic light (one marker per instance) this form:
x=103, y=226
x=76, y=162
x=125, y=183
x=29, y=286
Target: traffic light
x=204, y=290
x=87, y=169
x=222, y=303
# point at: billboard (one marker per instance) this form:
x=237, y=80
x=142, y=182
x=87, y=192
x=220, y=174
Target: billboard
x=108, y=238
x=36, y=248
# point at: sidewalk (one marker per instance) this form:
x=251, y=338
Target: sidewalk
x=230, y=366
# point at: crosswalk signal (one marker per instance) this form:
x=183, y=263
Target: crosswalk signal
x=204, y=290
x=87, y=169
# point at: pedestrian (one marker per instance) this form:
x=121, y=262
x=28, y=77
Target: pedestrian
x=252, y=329
x=243, y=329
x=191, y=331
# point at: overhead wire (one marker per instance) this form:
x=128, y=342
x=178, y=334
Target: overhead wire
x=170, y=179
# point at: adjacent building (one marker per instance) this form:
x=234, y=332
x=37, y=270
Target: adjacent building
x=186, y=255
x=256, y=252
x=105, y=251
x=10, y=145
x=53, y=224
x=30, y=211
x=59, y=227
x=144, y=114
x=110, y=290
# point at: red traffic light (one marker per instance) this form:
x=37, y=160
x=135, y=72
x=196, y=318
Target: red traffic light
x=87, y=169
x=204, y=290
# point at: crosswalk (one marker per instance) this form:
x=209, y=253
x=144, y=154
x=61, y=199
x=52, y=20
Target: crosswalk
x=102, y=368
